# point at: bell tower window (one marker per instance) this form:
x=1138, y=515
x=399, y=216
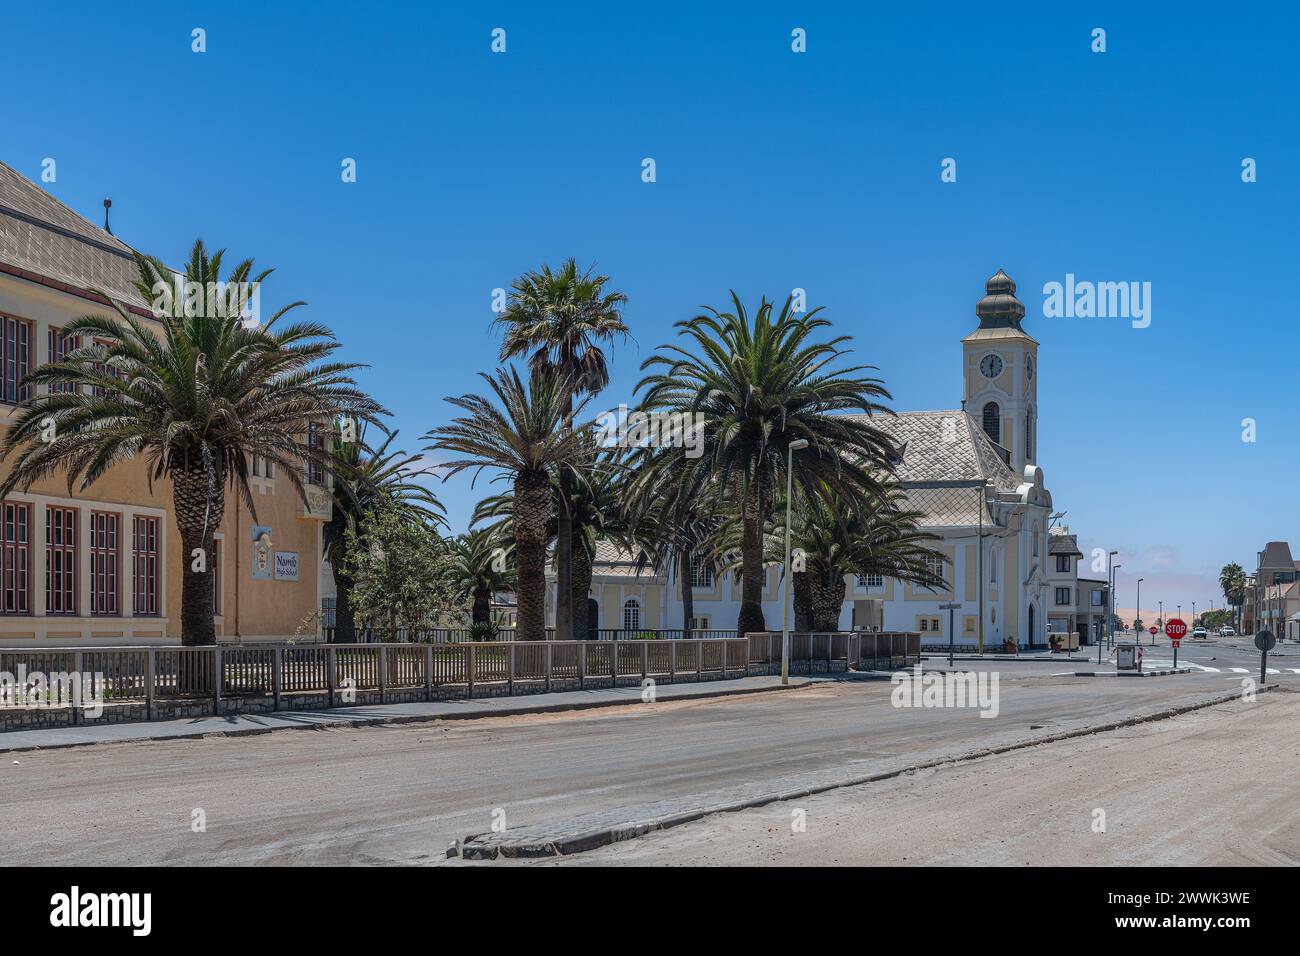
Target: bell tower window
x=993, y=422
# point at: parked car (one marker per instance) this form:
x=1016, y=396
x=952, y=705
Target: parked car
x=1200, y=634
x=1227, y=631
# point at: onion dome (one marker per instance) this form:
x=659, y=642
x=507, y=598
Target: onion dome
x=1000, y=309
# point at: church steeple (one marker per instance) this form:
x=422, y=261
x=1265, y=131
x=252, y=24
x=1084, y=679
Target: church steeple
x=1001, y=387
x=1000, y=309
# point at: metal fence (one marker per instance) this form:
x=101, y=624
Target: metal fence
x=147, y=683
x=457, y=635
x=839, y=650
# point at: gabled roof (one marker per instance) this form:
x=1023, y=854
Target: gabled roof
x=1063, y=544
x=1277, y=554
x=942, y=456
x=44, y=241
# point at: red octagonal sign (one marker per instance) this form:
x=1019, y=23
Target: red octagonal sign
x=1176, y=629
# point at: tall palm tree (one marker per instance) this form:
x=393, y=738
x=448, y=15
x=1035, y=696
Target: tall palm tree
x=1232, y=579
x=559, y=320
x=596, y=509
x=365, y=477
x=674, y=528
x=838, y=539
x=478, y=567
x=762, y=383
x=196, y=396
x=526, y=433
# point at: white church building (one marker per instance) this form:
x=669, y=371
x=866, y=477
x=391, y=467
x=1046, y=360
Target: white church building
x=971, y=471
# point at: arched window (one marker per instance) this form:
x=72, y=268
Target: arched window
x=993, y=421
x=631, y=615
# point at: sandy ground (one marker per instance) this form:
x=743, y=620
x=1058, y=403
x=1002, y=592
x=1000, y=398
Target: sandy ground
x=1219, y=786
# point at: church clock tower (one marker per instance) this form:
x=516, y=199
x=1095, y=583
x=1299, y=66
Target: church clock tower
x=1001, y=373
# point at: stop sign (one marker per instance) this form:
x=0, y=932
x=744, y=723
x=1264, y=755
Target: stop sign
x=1176, y=628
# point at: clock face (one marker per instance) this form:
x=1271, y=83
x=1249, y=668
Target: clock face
x=991, y=365
x=1029, y=366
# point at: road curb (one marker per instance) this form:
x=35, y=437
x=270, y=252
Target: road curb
x=345, y=724
x=491, y=846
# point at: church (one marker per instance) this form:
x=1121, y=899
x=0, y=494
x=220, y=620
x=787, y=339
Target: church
x=972, y=472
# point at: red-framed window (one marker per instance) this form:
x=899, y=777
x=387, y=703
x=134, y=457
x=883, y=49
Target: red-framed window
x=60, y=560
x=216, y=576
x=104, y=369
x=15, y=359
x=15, y=558
x=59, y=345
x=144, y=552
x=105, y=562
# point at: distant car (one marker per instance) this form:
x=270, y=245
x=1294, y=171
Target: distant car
x=1227, y=631
x=1200, y=634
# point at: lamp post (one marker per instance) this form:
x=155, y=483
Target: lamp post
x=1110, y=624
x=1138, y=613
x=797, y=445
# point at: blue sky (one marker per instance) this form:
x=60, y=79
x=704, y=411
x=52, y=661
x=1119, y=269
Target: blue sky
x=774, y=170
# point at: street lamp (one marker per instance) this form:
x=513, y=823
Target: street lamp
x=1138, y=613
x=1111, y=623
x=797, y=445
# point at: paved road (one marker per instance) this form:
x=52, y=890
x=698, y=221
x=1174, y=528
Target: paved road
x=1203, y=789
x=403, y=793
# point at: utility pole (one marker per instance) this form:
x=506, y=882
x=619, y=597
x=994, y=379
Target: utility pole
x=951, y=608
x=797, y=445
x=984, y=486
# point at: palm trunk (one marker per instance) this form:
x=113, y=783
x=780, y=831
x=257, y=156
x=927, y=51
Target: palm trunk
x=482, y=608
x=803, y=602
x=751, y=551
x=532, y=508
x=345, y=615
x=581, y=587
x=190, y=488
x=688, y=592
x=564, y=561
x=827, y=601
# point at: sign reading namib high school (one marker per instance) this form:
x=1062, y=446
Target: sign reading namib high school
x=286, y=565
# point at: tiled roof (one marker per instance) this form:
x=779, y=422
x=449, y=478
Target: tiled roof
x=945, y=447
x=1063, y=544
x=1277, y=554
x=41, y=238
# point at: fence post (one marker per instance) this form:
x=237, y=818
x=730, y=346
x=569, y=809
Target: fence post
x=277, y=682
x=613, y=662
x=672, y=662
x=428, y=672
x=549, y=646
x=582, y=662
x=510, y=680
x=699, y=660
x=645, y=659
x=472, y=661
x=830, y=652
x=331, y=673
x=383, y=671
x=726, y=656
x=217, y=678
x=150, y=678
x=77, y=683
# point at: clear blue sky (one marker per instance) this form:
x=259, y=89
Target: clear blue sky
x=775, y=170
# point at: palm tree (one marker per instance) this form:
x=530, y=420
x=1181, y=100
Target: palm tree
x=675, y=529
x=478, y=567
x=364, y=478
x=761, y=384
x=559, y=320
x=1232, y=579
x=838, y=539
x=527, y=433
x=196, y=396
x=595, y=506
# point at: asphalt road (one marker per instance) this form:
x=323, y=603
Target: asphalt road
x=402, y=794
x=1202, y=789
